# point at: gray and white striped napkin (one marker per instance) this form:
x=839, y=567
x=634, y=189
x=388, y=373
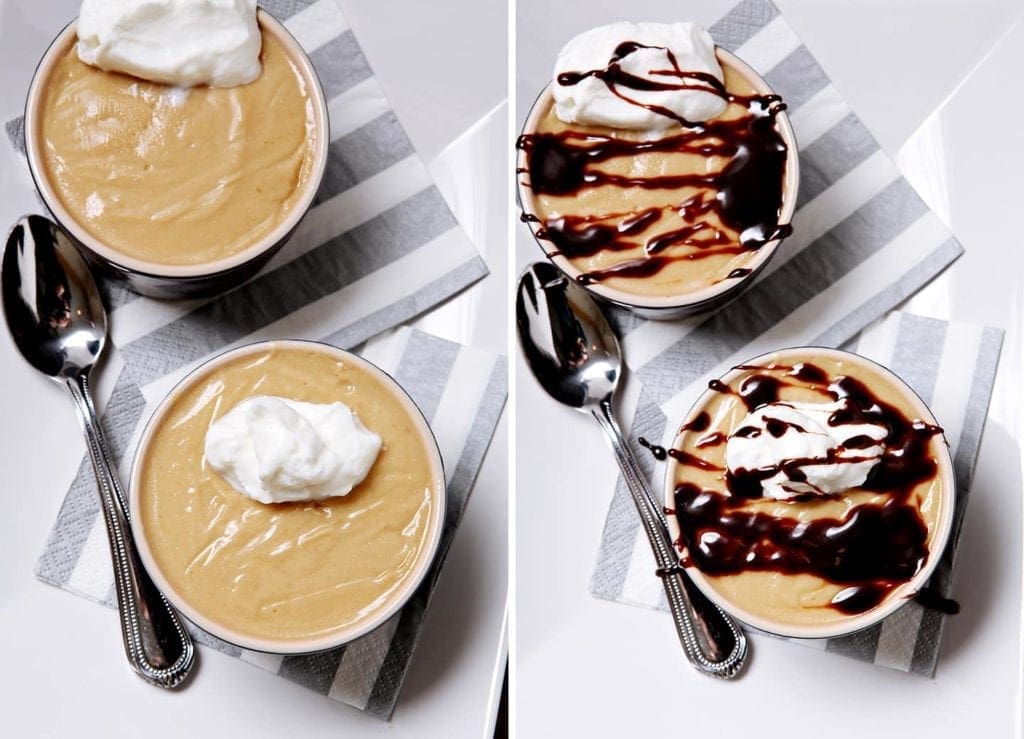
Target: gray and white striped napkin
x=863, y=242
x=460, y=390
x=378, y=247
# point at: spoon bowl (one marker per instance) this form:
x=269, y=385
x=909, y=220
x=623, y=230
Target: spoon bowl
x=50, y=300
x=567, y=341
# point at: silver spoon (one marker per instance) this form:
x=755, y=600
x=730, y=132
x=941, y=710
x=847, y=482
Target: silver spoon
x=575, y=356
x=58, y=323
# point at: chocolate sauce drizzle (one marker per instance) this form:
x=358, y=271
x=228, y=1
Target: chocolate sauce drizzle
x=661, y=453
x=746, y=194
x=871, y=550
x=700, y=422
x=931, y=598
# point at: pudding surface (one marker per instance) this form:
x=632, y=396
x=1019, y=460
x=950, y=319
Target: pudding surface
x=658, y=214
x=173, y=176
x=287, y=571
x=813, y=560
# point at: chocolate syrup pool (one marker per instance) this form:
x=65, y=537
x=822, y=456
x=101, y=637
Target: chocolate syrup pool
x=744, y=195
x=871, y=540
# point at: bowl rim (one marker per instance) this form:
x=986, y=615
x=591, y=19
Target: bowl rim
x=427, y=555
x=711, y=294
x=34, y=155
x=900, y=595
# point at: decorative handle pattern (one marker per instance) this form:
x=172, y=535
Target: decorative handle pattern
x=158, y=647
x=712, y=640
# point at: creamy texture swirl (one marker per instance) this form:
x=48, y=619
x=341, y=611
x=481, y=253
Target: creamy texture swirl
x=176, y=42
x=278, y=450
x=803, y=452
x=593, y=101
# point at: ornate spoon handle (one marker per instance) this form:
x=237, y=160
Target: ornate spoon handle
x=158, y=647
x=712, y=640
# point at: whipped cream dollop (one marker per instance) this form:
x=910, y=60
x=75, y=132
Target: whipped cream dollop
x=794, y=451
x=277, y=450
x=176, y=42
x=586, y=93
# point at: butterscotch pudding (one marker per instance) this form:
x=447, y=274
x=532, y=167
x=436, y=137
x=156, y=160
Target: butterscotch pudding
x=811, y=492
x=179, y=142
x=177, y=176
x=657, y=169
x=318, y=428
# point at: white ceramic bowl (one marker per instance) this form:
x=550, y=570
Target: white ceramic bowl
x=712, y=296
x=292, y=646
x=898, y=596
x=165, y=280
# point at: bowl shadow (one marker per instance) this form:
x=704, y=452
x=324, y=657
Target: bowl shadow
x=986, y=552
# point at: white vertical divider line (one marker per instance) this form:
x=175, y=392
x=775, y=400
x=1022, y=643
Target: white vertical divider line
x=511, y=224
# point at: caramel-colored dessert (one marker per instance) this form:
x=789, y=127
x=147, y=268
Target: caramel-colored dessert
x=810, y=561
x=287, y=571
x=173, y=176
x=659, y=214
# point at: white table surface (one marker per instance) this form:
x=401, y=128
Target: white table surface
x=938, y=83
x=62, y=671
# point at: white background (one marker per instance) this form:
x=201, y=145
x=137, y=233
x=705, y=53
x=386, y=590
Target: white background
x=62, y=670
x=938, y=83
